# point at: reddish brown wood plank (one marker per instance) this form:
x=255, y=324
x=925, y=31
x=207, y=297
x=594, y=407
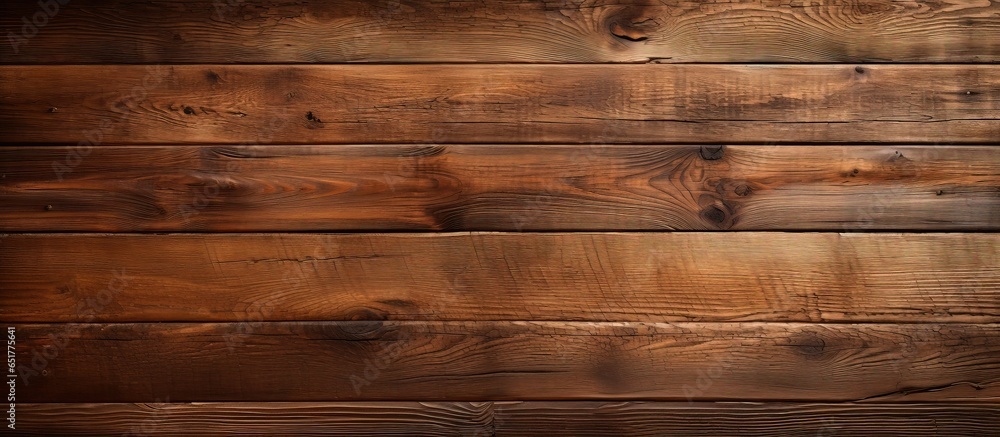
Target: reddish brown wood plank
x=496, y=187
x=466, y=419
x=318, y=104
x=640, y=277
x=468, y=361
x=474, y=419
x=270, y=31
x=743, y=419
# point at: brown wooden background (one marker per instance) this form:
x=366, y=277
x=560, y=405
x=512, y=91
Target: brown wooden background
x=569, y=217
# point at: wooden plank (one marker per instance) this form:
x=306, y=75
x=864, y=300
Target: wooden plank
x=270, y=31
x=743, y=419
x=573, y=104
x=467, y=419
x=496, y=187
x=471, y=419
x=469, y=361
x=653, y=277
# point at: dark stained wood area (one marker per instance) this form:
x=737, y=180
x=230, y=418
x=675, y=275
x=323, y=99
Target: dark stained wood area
x=271, y=31
x=584, y=104
x=496, y=187
x=604, y=277
x=501, y=217
x=475, y=419
x=376, y=360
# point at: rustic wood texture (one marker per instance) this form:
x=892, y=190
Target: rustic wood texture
x=475, y=419
x=466, y=419
x=660, y=277
x=573, y=104
x=743, y=419
x=271, y=31
x=496, y=187
x=183, y=127
x=469, y=361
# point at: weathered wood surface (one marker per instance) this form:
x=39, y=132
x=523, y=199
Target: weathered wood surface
x=470, y=361
x=497, y=187
x=744, y=419
x=576, y=117
x=480, y=419
x=270, y=31
x=570, y=104
x=652, y=277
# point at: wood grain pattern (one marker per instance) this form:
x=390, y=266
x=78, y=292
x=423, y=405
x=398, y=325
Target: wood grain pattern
x=183, y=127
x=480, y=419
x=271, y=31
x=743, y=419
x=496, y=187
x=637, y=277
x=466, y=419
x=572, y=104
x=469, y=361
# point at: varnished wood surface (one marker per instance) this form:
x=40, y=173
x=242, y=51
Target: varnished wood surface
x=498, y=187
x=181, y=127
x=468, y=361
x=473, y=419
x=270, y=31
x=572, y=104
x=744, y=419
x=651, y=277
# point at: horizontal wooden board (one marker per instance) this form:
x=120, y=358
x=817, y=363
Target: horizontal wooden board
x=743, y=419
x=578, y=104
x=271, y=31
x=497, y=187
x=469, y=361
x=480, y=419
x=656, y=277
